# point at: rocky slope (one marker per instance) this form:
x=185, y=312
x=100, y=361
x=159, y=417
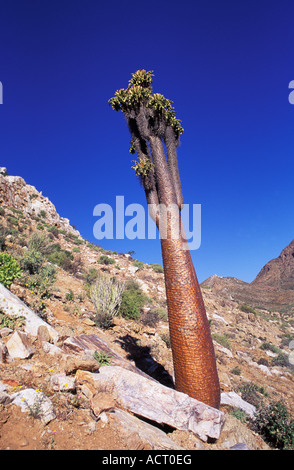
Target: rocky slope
x=253, y=347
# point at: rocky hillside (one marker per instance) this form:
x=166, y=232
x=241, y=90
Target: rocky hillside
x=63, y=372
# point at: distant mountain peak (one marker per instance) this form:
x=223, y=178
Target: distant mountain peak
x=278, y=272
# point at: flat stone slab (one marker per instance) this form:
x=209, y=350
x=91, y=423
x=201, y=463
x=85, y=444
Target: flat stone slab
x=150, y=399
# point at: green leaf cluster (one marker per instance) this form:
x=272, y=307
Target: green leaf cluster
x=139, y=92
x=9, y=269
x=142, y=167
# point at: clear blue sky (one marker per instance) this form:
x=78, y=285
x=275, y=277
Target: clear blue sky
x=225, y=64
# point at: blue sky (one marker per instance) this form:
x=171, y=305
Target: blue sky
x=225, y=64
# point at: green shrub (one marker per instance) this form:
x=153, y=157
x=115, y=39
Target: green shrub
x=239, y=414
x=133, y=300
x=274, y=423
x=70, y=295
x=54, y=230
x=31, y=261
x=104, y=259
x=250, y=393
x=9, y=269
x=12, y=322
x=157, y=268
x=42, y=281
x=91, y=276
x=12, y=220
x=2, y=211
x=103, y=358
x=247, y=309
x=138, y=264
x=60, y=257
x=222, y=340
x=270, y=347
x=106, y=295
x=40, y=242
x=236, y=371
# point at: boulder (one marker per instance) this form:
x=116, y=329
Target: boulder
x=234, y=400
x=156, y=402
x=140, y=435
x=36, y=403
x=12, y=305
x=63, y=383
x=19, y=346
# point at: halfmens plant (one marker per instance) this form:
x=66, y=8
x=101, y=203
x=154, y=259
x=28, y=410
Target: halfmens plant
x=155, y=136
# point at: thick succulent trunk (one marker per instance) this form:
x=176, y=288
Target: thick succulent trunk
x=192, y=347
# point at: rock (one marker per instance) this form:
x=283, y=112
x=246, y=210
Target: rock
x=139, y=434
x=19, y=346
x=234, y=433
x=102, y=402
x=88, y=322
x=85, y=380
x=62, y=382
x=132, y=269
x=52, y=349
x=239, y=446
x=36, y=403
x=234, y=400
x=137, y=394
x=5, y=332
x=4, y=398
x=43, y=334
x=71, y=364
x=12, y=305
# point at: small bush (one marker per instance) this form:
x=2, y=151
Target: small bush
x=40, y=242
x=104, y=259
x=12, y=322
x=91, y=276
x=270, y=347
x=31, y=261
x=2, y=211
x=60, y=257
x=70, y=295
x=247, y=309
x=138, y=264
x=222, y=340
x=103, y=358
x=157, y=268
x=43, y=281
x=273, y=422
x=240, y=415
x=236, y=371
x=133, y=300
x=53, y=230
x=9, y=269
x=249, y=392
x=12, y=220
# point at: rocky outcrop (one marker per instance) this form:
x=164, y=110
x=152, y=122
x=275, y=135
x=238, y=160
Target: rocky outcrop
x=17, y=194
x=279, y=272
